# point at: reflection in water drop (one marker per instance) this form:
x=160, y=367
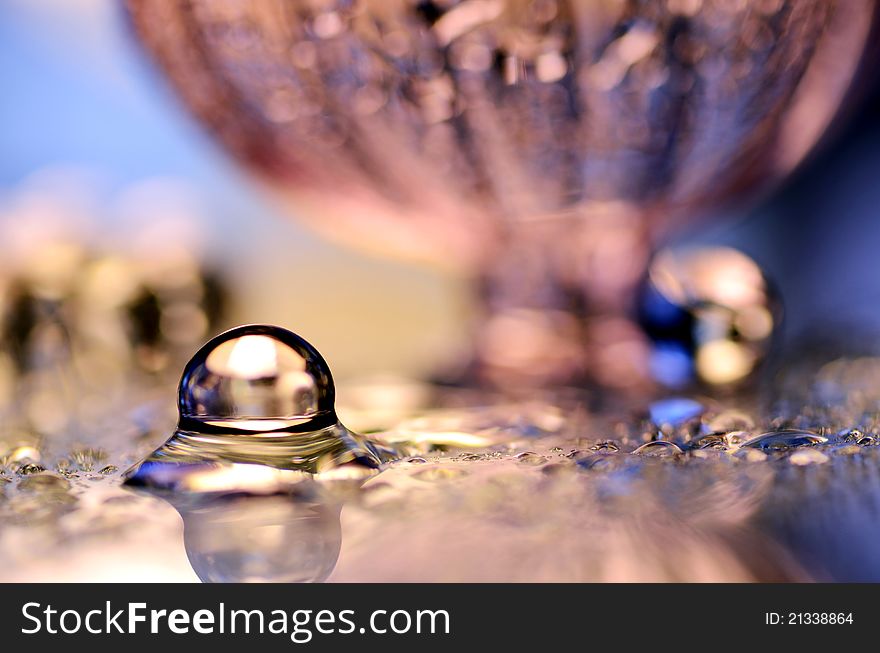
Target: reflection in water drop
x=659, y=448
x=274, y=538
x=256, y=409
x=786, y=439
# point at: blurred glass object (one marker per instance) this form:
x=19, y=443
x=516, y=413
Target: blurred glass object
x=710, y=314
x=539, y=147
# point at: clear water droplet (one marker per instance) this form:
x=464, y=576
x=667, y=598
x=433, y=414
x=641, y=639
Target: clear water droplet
x=785, y=439
x=721, y=441
x=659, y=448
x=256, y=395
x=607, y=446
x=850, y=435
x=711, y=442
x=531, y=458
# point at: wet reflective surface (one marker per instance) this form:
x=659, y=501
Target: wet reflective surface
x=509, y=491
x=266, y=485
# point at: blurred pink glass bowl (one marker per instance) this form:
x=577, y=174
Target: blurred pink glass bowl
x=539, y=146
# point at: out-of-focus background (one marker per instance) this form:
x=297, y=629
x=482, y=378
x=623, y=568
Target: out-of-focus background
x=94, y=146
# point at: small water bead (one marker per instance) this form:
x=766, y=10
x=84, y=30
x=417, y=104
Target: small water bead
x=857, y=436
x=256, y=395
x=785, y=439
x=723, y=441
x=606, y=446
x=711, y=442
x=850, y=435
x=530, y=458
x=659, y=448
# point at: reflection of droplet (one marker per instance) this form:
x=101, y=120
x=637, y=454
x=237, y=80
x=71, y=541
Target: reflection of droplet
x=438, y=473
x=261, y=538
x=45, y=482
x=778, y=440
x=808, y=457
x=711, y=442
x=710, y=313
x=255, y=396
x=851, y=435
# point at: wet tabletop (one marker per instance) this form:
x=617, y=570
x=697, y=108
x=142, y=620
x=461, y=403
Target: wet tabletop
x=684, y=488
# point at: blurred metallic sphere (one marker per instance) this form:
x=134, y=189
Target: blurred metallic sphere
x=710, y=315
